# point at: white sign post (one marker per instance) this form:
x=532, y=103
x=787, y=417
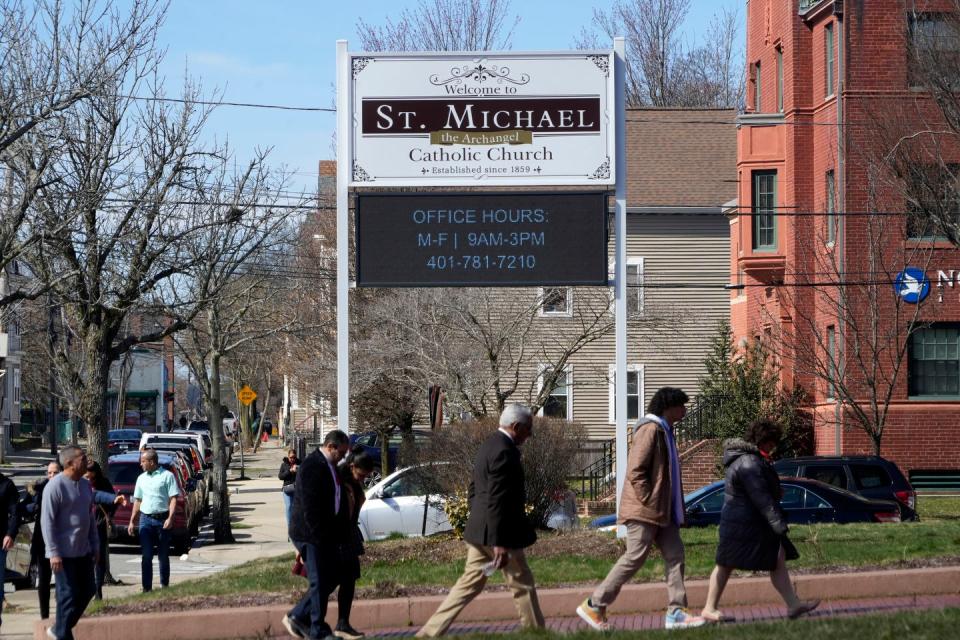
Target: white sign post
x=480, y=119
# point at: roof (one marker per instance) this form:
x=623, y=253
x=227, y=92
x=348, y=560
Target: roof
x=681, y=157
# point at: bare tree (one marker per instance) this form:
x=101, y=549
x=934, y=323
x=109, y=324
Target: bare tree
x=850, y=329
x=115, y=224
x=236, y=267
x=477, y=343
x=444, y=25
x=663, y=71
x=52, y=58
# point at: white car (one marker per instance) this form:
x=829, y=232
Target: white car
x=396, y=505
x=195, y=439
x=230, y=424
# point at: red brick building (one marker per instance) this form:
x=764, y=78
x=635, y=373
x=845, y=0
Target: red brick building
x=835, y=156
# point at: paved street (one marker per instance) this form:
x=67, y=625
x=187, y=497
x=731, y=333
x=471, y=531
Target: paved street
x=256, y=503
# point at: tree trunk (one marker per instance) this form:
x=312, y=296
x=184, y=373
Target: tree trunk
x=90, y=407
x=219, y=494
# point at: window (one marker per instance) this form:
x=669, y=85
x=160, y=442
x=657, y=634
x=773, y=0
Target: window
x=634, y=392
x=712, y=503
x=828, y=60
x=780, y=79
x=556, y=301
x=756, y=88
x=870, y=476
x=934, y=44
x=831, y=201
x=792, y=497
x=816, y=502
x=933, y=366
x=831, y=362
x=933, y=200
x=764, y=210
x=634, y=286
x=830, y=474
x=16, y=386
x=559, y=403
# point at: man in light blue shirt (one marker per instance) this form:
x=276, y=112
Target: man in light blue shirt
x=155, y=501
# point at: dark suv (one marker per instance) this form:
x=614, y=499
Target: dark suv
x=870, y=476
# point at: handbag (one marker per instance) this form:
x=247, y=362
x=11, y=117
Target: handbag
x=789, y=550
x=298, y=569
x=289, y=489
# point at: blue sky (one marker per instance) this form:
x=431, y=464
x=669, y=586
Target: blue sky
x=283, y=52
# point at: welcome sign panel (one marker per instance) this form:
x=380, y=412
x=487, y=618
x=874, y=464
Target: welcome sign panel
x=482, y=119
x=502, y=239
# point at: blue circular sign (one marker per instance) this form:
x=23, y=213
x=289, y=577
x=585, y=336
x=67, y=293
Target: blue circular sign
x=912, y=285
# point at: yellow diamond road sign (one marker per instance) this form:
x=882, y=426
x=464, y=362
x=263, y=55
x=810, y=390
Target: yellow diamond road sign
x=247, y=395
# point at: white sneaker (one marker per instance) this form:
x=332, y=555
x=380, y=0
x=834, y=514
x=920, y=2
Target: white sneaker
x=681, y=619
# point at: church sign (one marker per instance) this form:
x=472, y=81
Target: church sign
x=502, y=119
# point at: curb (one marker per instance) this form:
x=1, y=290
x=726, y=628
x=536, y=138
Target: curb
x=217, y=624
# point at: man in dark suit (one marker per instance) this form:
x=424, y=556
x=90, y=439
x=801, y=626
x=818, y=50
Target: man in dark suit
x=318, y=529
x=497, y=530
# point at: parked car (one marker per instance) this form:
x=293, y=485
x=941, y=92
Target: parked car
x=203, y=427
x=189, y=438
x=123, y=440
x=396, y=504
x=230, y=424
x=372, y=443
x=196, y=466
x=20, y=569
x=804, y=502
x=123, y=471
x=869, y=476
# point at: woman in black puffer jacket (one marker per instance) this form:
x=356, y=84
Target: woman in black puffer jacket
x=753, y=526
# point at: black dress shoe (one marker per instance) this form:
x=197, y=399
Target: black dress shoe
x=346, y=632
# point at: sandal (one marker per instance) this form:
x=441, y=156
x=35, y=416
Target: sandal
x=715, y=617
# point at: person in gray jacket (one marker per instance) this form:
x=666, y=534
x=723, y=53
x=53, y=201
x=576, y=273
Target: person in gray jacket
x=753, y=526
x=70, y=533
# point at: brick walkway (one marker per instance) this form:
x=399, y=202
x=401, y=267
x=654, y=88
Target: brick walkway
x=742, y=615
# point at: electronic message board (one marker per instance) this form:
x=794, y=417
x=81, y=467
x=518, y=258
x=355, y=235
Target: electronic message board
x=490, y=239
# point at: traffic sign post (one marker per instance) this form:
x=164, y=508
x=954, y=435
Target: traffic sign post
x=246, y=395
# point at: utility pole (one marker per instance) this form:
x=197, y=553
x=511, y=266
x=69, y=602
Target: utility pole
x=52, y=335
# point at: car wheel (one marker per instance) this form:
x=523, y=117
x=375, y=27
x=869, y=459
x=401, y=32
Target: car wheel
x=373, y=478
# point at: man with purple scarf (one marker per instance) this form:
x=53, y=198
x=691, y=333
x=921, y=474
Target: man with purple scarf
x=651, y=509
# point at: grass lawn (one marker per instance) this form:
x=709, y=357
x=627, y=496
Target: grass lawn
x=920, y=625
x=397, y=566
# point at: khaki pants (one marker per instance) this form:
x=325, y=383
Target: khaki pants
x=471, y=583
x=640, y=537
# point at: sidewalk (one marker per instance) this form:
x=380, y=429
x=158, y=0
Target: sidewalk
x=640, y=606
x=256, y=504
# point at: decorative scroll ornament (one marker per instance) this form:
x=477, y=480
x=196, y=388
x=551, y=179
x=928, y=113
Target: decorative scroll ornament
x=602, y=62
x=603, y=171
x=359, y=64
x=479, y=74
x=359, y=175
